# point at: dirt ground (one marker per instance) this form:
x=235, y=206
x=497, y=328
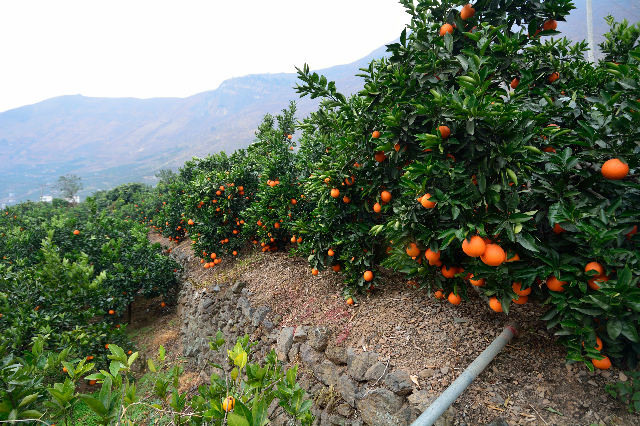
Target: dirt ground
x=528, y=383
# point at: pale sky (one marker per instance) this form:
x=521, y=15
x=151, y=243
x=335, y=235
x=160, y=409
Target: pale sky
x=176, y=48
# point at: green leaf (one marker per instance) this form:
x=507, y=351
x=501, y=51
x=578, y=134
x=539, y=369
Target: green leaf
x=234, y=419
x=629, y=331
x=152, y=366
x=30, y=414
x=614, y=328
x=28, y=400
x=527, y=241
x=94, y=404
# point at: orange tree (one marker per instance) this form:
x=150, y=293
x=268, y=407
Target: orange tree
x=279, y=200
x=519, y=156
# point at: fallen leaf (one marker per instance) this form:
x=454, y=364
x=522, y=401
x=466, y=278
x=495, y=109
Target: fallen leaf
x=414, y=379
x=554, y=411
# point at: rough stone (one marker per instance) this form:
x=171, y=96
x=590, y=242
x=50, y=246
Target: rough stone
x=348, y=389
x=344, y=410
x=327, y=372
x=309, y=355
x=238, y=286
x=318, y=338
x=444, y=370
x=399, y=382
x=300, y=334
x=426, y=373
x=284, y=342
x=375, y=372
x=293, y=353
x=498, y=421
x=245, y=306
x=328, y=419
x=259, y=315
x=268, y=325
x=381, y=407
x=358, y=364
x=337, y=355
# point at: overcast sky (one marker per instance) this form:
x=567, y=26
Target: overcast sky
x=176, y=48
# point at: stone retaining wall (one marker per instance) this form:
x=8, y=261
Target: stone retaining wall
x=350, y=387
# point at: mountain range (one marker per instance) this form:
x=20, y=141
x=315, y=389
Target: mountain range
x=109, y=141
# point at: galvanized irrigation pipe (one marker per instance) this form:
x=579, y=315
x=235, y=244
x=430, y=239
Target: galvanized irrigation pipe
x=452, y=393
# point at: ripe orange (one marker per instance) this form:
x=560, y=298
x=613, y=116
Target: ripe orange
x=449, y=272
x=413, y=250
x=368, y=275
x=594, y=266
x=555, y=284
x=314, y=271
x=377, y=207
x=553, y=77
x=426, y=203
x=444, y=131
x=346, y=199
x=228, y=403
x=558, y=229
x=493, y=255
x=517, y=287
x=235, y=253
x=521, y=300
x=477, y=283
x=632, y=232
x=495, y=304
x=473, y=246
x=76, y=232
x=213, y=255
x=514, y=258
x=299, y=240
x=330, y=252
x=446, y=28
x=64, y=369
x=336, y=267
x=163, y=304
x=190, y=222
x=111, y=312
x=106, y=346
x=293, y=201
x=467, y=12
x=602, y=364
x=454, y=299
x=375, y=134
x=335, y=192
x=350, y=182
x=276, y=225
x=350, y=301
x=289, y=137
x=515, y=82
x=380, y=156
x=549, y=149
x=614, y=169
x=432, y=256
x=438, y=294
x=92, y=382
x=551, y=24
x=385, y=196
x=593, y=282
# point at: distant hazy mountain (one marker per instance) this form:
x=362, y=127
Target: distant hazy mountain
x=109, y=141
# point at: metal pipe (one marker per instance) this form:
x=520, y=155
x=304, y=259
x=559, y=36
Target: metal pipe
x=448, y=397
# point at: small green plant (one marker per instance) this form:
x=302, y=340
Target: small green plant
x=627, y=392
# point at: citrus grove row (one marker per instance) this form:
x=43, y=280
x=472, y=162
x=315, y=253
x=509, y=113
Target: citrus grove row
x=478, y=153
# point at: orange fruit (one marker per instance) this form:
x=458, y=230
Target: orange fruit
x=385, y=196
x=106, y=346
x=368, y=275
x=64, y=369
x=593, y=282
x=517, y=287
x=632, y=232
x=598, y=346
x=426, y=203
x=477, y=283
x=432, y=256
x=377, y=207
x=346, y=199
x=449, y=272
x=435, y=262
x=190, y=222
x=495, y=304
x=380, y=156
x=314, y=271
x=76, y=232
x=438, y=295
x=293, y=201
x=549, y=149
x=553, y=77
x=350, y=182
x=521, y=300
x=614, y=169
x=454, y=299
x=235, y=253
x=493, y=255
x=413, y=250
x=555, y=284
x=467, y=12
x=111, y=312
x=375, y=134
x=551, y=24
x=602, y=364
x=213, y=255
x=444, y=131
x=446, y=28
x=336, y=268
x=163, y=304
x=330, y=252
x=92, y=382
x=289, y=137
x=594, y=266
x=473, y=246
x=514, y=258
x=335, y=192
x=276, y=225
x=515, y=82
x=299, y=240
x=350, y=301
x=228, y=403
x=558, y=229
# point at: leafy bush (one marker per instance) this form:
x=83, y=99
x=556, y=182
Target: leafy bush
x=627, y=392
